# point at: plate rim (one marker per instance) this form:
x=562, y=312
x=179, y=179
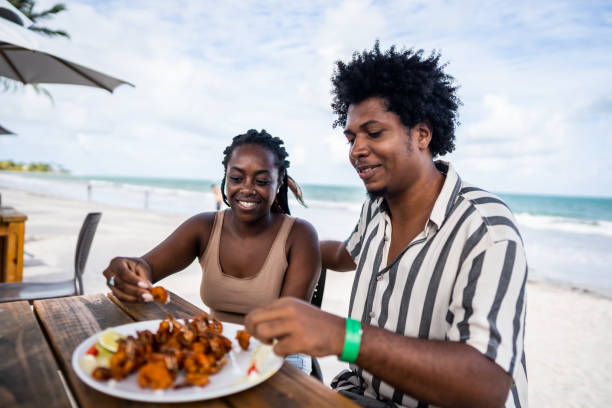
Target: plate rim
x=152, y=396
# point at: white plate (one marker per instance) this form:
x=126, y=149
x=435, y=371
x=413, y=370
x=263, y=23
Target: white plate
x=230, y=379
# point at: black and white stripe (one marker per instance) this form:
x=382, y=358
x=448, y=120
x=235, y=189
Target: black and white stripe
x=462, y=279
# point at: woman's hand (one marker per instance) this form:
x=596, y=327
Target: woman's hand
x=129, y=279
x=299, y=328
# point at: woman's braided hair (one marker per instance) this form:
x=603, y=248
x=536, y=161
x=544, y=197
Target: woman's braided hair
x=275, y=146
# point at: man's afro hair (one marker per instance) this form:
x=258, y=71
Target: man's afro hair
x=415, y=88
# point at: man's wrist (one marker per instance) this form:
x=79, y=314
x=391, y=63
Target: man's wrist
x=337, y=343
x=352, y=340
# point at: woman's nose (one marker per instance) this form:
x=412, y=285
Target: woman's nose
x=248, y=188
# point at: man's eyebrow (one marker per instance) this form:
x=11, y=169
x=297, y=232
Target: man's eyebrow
x=368, y=123
x=362, y=126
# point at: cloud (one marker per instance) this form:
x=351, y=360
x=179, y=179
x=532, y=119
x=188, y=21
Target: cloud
x=532, y=76
x=338, y=148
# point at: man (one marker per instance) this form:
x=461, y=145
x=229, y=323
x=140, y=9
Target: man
x=218, y=197
x=437, y=308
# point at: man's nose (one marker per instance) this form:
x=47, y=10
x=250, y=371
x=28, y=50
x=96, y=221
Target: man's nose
x=359, y=148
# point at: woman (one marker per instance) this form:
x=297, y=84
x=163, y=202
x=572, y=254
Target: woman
x=251, y=253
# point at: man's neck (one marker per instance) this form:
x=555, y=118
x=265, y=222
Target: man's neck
x=417, y=201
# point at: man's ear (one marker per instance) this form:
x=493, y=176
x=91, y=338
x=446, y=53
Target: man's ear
x=424, y=134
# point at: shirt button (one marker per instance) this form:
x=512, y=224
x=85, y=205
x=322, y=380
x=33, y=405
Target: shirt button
x=379, y=278
x=386, y=238
x=372, y=315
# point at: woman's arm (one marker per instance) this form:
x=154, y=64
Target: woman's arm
x=304, y=261
x=132, y=276
x=181, y=247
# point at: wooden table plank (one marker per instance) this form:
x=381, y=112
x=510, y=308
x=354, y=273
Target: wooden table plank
x=28, y=372
x=178, y=307
x=290, y=387
x=69, y=321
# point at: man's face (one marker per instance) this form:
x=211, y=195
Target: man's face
x=384, y=152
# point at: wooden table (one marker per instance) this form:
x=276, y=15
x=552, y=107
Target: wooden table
x=12, y=231
x=36, y=345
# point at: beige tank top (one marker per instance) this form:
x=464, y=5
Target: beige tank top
x=230, y=298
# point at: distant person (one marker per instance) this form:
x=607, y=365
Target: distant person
x=251, y=253
x=218, y=196
x=437, y=306
x=89, y=187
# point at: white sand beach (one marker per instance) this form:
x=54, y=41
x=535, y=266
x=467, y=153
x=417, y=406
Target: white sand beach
x=568, y=331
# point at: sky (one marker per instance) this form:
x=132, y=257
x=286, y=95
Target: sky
x=534, y=78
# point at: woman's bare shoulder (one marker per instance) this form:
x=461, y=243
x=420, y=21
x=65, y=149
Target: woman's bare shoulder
x=202, y=222
x=303, y=229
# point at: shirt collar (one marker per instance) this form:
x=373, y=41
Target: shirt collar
x=446, y=199
x=448, y=195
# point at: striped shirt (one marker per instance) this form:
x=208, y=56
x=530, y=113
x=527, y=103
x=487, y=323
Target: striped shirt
x=461, y=279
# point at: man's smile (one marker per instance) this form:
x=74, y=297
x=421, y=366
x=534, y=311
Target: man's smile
x=366, y=171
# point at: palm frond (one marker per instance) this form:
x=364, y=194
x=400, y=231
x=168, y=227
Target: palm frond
x=40, y=90
x=10, y=85
x=44, y=15
x=48, y=32
x=25, y=6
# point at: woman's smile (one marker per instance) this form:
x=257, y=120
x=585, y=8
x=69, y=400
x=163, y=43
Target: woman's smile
x=246, y=205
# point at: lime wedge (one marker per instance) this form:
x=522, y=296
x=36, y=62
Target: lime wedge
x=108, y=340
x=103, y=357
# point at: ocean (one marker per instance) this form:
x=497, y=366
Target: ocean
x=568, y=239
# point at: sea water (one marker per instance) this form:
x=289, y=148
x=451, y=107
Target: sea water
x=568, y=239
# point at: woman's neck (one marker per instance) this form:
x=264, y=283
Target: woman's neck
x=252, y=228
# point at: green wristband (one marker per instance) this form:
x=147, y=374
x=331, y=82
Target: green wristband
x=352, y=340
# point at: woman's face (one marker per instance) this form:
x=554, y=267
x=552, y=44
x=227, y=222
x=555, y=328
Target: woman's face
x=251, y=181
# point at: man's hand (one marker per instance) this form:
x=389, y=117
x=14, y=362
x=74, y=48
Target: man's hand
x=129, y=279
x=298, y=327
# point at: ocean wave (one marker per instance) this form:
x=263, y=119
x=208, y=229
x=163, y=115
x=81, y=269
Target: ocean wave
x=337, y=205
x=141, y=188
x=595, y=227
x=133, y=194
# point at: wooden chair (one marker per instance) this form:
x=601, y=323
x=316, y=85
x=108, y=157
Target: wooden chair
x=42, y=290
x=317, y=299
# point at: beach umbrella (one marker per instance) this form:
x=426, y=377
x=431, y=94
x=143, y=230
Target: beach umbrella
x=4, y=132
x=23, y=58
x=12, y=13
